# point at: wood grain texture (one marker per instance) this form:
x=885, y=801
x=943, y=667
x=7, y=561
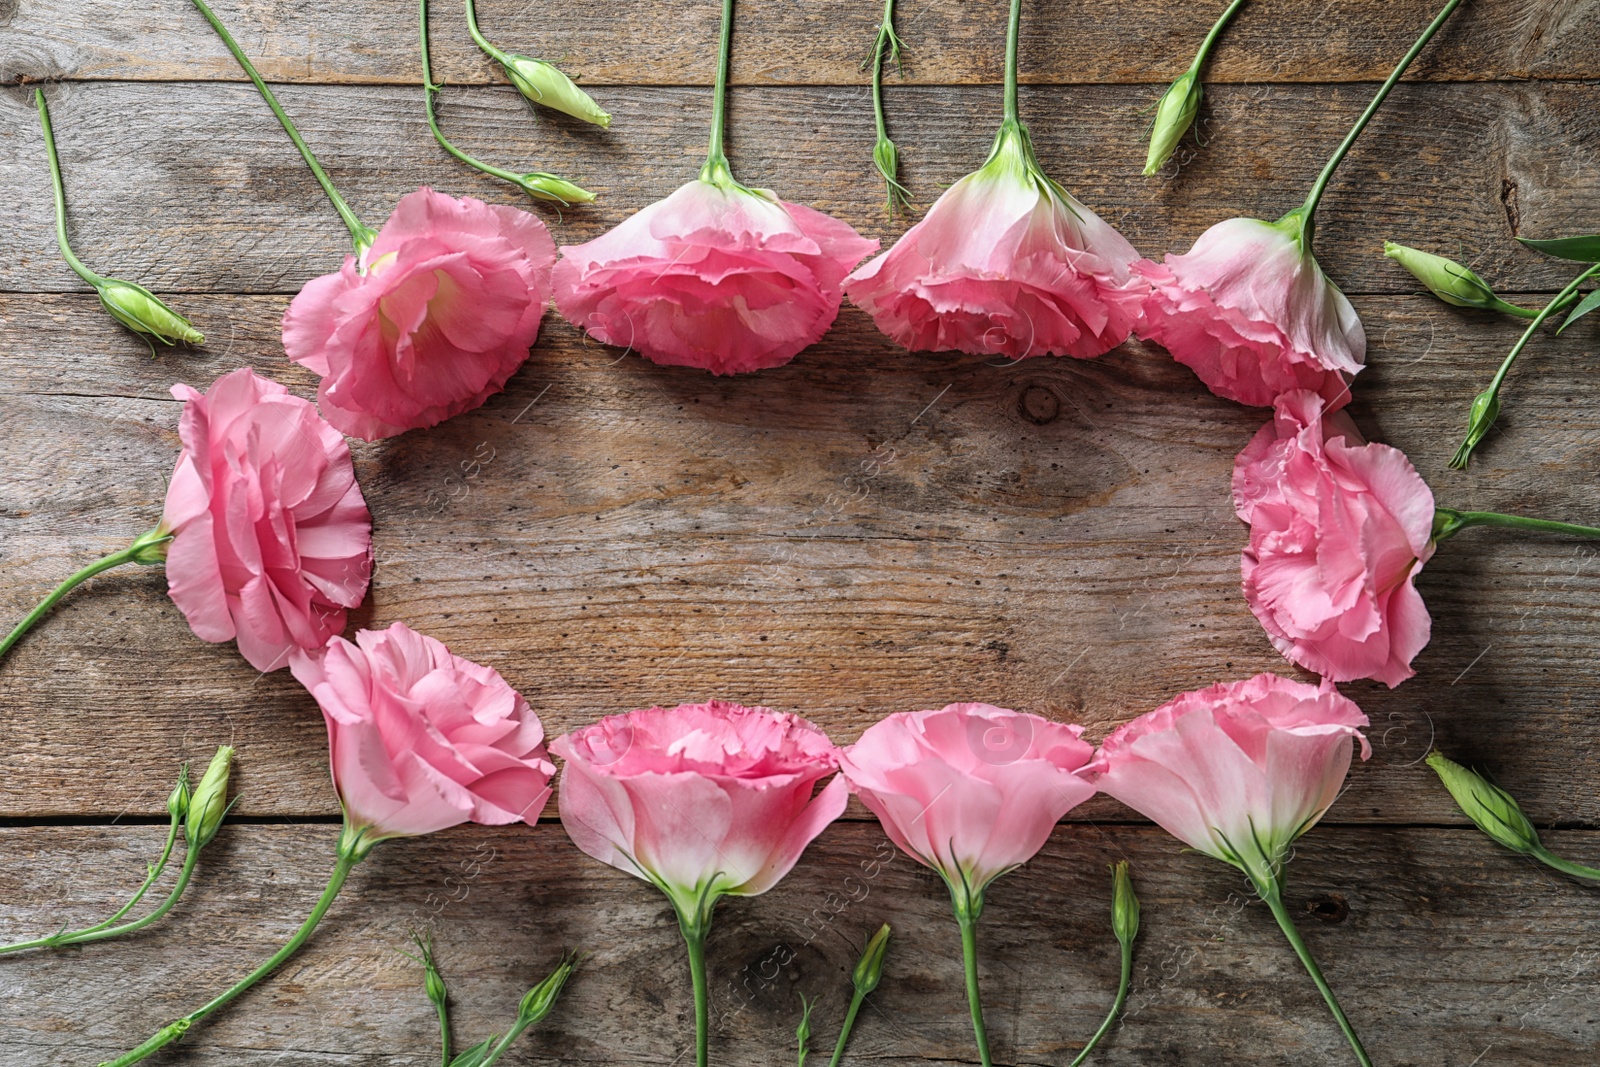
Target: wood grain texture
x=195, y=188
x=860, y=532
x=790, y=42
x=1418, y=931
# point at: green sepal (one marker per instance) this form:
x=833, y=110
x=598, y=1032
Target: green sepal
x=475, y=1055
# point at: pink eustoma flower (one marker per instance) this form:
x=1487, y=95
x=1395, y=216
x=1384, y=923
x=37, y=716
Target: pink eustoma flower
x=971, y=790
x=432, y=320
x=1249, y=310
x=1338, y=531
x=420, y=739
x=1006, y=262
x=703, y=799
x=716, y=276
x=1239, y=770
x=272, y=540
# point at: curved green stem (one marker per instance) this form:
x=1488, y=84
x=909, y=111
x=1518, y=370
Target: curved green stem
x=61, y=194
x=1490, y=404
x=1308, y=210
x=479, y=39
x=1447, y=523
x=72, y=936
x=430, y=89
x=360, y=234
x=174, y=1031
x=968, y=907
x=1576, y=870
x=185, y=873
x=1013, y=30
x=1272, y=893
x=716, y=168
x=1211, y=38
x=134, y=553
x=1122, y=994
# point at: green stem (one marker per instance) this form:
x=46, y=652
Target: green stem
x=134, y=553
x=1577, y=870
x=887, y=46
x=185, y=873
x=361, y=235
x=694, y=935
x=1308, y=210
x=1211, y=38
x=849, y=1022
x=479, y=39
x=968, y=906
x=716, y=168
x=61, y=194
x=1272, y=893
x=1448, y=523
x=69, y=937
x=430, y=89
x=1013, y=30
x=174, y=1031
x=1122, y=990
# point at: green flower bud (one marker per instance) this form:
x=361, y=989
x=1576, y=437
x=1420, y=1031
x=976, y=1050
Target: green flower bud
x=1174, y=115
x=1485, y=409
x=542, y=997
x=178, y=801
x=802, y=1033
x=1124, y=904
x=542, y=186
x=543, y=83
x=1450, y=281
x=143, y=312
x=1491, y=808
x=209, y=802
x=869, y=971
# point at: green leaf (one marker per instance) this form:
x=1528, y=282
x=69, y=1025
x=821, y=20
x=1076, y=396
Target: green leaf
x=1590, y=302
x=1580, y=249
x=476, y=1054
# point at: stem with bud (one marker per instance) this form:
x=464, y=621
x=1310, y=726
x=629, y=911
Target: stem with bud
x=1448, y=523
x=886, y=49
x=148, y=549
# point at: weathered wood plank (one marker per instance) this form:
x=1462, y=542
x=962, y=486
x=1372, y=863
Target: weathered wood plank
x=1214, y=982
x=861, y=532
x=816, y=43
x=193, y=187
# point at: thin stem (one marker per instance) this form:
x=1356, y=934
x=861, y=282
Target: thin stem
x=478, y=38
x=1122, y=988
x=105, y=563
x=967, y=912
x=1013, y=30
x=694, y=935
x=444, y=1032
x=361, y=235
x=1211, y=38
x=1449, y=523
x=61, y=195
x=68, y=937
x=185, y=873
x=1577, y=870
x=430, y=89
x=716, y=160
x=849, y=1022
x=175, y=1030
x=1272, y=893
x=1309, y=209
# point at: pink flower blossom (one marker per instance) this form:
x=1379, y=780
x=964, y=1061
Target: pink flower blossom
x=439, y=313
x=1006, y=262
x=420, y=739
x=1239, y=770
x=715, y=276
x=272, y=539
x=1338, y=531
x=702, y=800
x=1249, y=310
x=971, y=790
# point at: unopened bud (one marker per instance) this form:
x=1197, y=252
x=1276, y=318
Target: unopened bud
x=1491, y=809
x=1485, y=409
x=542, y=997
x=543, y=83
x=1174, y=115
x=802, y=1033
x=178, y=801
x=1450, y=281
x=1124, y=904
x=869, y=971
x=209, y=802
x=542, y=186
x=143, y=312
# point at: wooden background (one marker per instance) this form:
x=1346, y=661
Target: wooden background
x=859, y=532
